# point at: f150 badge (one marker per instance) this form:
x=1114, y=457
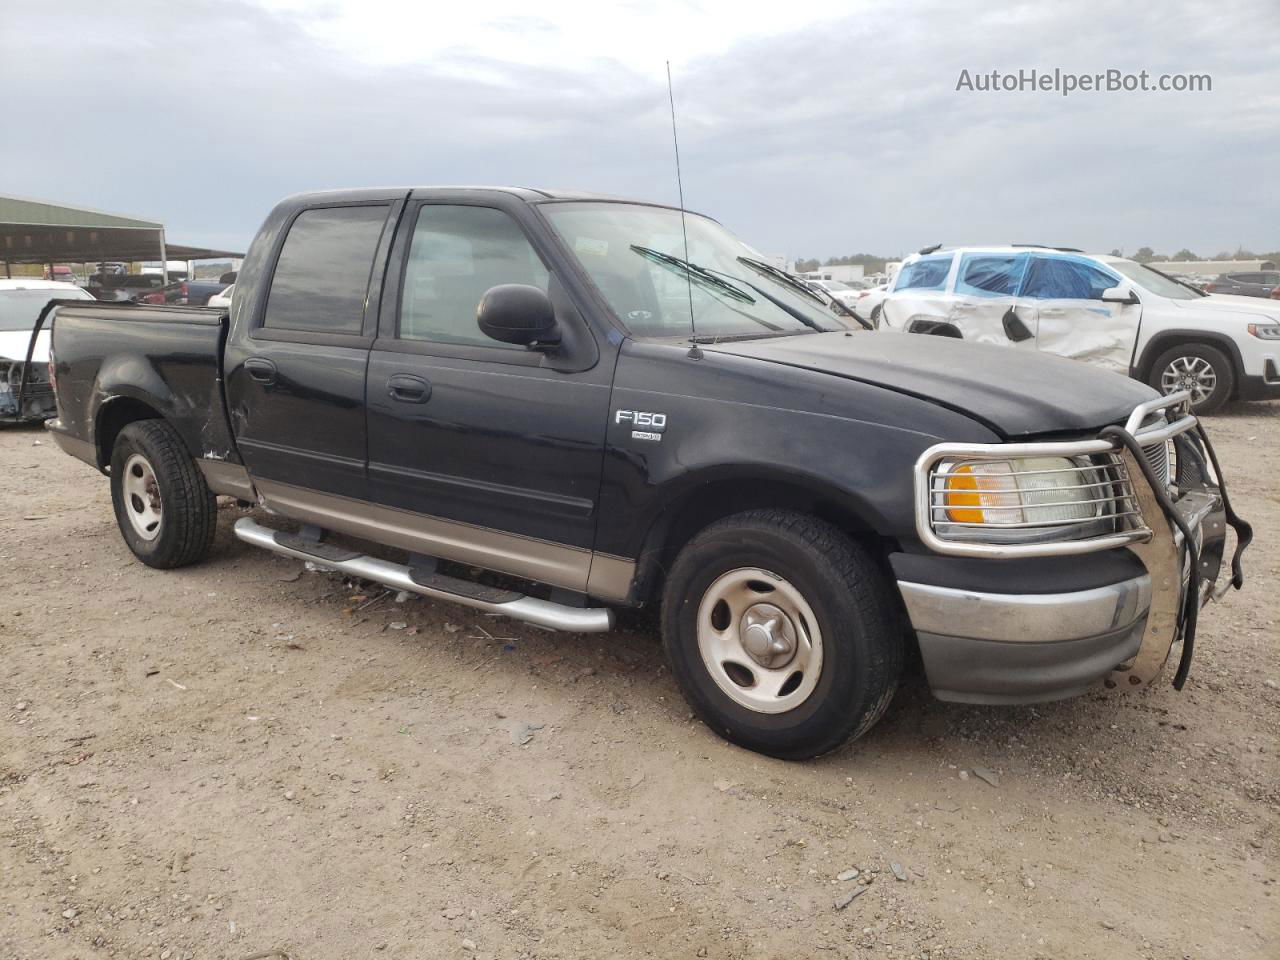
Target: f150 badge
x=644, y=426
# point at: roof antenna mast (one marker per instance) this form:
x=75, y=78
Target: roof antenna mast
x=694, y=352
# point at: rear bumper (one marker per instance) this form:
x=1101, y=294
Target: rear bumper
x=80, y=449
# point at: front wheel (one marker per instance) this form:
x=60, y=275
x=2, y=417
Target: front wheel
x=781, y=633
x=165, y=510
x=1204, y=371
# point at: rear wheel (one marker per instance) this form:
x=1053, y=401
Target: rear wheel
x=1204, y=371
x=781, y=633
x=165, y=510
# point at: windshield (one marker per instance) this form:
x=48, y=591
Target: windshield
x=19, y=308
x=1153, y=280
x=636, y=256
x=833, y=285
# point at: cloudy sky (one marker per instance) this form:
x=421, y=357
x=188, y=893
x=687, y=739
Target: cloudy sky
x=816, y=130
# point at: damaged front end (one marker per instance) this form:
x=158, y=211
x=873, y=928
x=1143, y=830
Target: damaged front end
x=28, y=398
x=1151, y=489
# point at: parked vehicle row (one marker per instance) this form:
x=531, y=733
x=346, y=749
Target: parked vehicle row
x=196, y=293
x=1108, y=311
x=551, y=387
x=1261, y=283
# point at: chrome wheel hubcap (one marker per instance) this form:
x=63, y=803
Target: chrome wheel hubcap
x=1193, y=374
x=759, y=640
x=142, y=497
x=768, y=636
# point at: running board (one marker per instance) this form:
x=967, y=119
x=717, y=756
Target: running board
x=509, y=603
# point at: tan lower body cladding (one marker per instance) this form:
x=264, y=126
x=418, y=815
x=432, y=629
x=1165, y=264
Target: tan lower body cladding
x=572, y=568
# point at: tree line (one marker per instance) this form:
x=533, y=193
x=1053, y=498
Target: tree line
x=1147, y=255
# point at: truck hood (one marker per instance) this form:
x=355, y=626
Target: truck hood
x=1015, y=392
x=1225, y=304
x=13, y=346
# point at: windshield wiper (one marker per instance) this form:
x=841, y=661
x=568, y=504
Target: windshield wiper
x=783, y=277
x=695, y=272
x=800, y=286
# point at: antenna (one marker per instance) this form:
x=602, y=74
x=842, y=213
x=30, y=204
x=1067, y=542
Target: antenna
x=694, y=352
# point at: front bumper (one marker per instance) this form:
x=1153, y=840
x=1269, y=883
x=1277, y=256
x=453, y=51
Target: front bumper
x=983, y=647
x=1010, y=640
x=34, y=403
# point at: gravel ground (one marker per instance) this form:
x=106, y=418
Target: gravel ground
x=246, y=759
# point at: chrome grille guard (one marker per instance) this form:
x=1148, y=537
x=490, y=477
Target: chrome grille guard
x=1109, y=478
x=1172, y=552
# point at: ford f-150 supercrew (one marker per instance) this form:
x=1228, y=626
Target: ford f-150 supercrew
x=549, y=405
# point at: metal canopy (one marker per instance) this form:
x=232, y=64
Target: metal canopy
x=34, y=231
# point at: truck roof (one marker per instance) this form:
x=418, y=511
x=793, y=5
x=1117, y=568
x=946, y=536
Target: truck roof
x=528, y=194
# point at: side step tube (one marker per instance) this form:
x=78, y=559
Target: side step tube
x=399, y=577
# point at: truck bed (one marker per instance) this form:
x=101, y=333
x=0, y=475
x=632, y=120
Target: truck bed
x=115, y=357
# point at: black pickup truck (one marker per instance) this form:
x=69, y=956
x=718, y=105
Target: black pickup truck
x=510, y=381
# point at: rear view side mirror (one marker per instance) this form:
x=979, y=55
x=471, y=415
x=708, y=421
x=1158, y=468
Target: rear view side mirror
x=1121, y=294
x=518, y=313
x=1014, y=328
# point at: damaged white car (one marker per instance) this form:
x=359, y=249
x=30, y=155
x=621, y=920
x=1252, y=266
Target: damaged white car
x=21, y=301
x=1112, y=312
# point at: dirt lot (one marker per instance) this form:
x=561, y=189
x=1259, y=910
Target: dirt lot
x=243, y=757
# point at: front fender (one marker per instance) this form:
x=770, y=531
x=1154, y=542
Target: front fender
x=732, y=422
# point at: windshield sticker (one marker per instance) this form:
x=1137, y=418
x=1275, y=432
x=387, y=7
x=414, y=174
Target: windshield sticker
x=591, y=246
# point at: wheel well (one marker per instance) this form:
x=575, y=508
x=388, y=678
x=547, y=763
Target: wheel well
x=713, y=501
x=113, y=417
x=935, y=328
x=1186, y=338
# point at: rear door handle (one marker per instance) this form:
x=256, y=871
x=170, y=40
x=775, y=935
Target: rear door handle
x=408, y=389
x=261, y=369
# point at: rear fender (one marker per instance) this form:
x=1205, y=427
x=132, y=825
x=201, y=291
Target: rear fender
x=130, y=387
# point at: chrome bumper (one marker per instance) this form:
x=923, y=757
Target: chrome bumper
x=1031, y=618
x=1025, y=648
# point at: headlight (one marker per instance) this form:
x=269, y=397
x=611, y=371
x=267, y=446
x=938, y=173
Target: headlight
x=1265, y=331
x=1033, y=492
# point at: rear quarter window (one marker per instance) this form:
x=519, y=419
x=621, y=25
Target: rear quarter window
x=927, y=273
x=321, y=278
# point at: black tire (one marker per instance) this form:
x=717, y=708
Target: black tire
x=1220, y=364
x=862, y=647
x=188, y=509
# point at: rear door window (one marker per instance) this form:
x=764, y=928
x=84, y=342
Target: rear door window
x=1057, y=278
x=991, y=275
x=927, y=273
x=321, y=278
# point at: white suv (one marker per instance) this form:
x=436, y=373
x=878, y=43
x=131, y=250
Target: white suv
x=1109, y=311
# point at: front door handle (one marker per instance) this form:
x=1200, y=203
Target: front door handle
x=261, y=369
x=408, y=389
